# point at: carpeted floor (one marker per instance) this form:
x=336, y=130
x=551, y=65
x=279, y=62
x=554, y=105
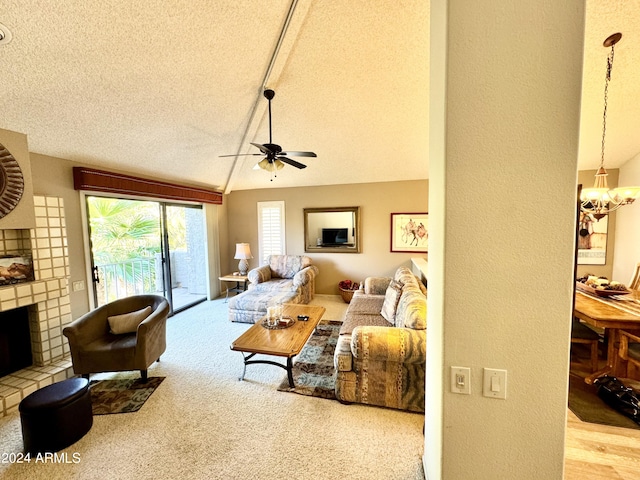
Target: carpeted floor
x=202, y=422
x=313, y=370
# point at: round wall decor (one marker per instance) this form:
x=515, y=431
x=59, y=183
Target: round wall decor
x=11, y=182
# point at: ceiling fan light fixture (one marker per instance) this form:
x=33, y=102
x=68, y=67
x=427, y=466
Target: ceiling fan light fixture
x=275, y=158
x=270, y=166
x=264, y=164
x=599, y=201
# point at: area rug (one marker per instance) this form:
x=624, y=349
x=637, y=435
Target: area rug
x=123, y=395
x=589, y=407
x=313, y=368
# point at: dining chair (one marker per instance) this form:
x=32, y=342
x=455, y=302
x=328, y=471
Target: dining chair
x=629, y=352
x=582, y=334
x=634, y=283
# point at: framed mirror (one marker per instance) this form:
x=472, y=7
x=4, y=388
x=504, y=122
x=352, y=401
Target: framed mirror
x=332, y=230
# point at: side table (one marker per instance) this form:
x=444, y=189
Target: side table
x=240, y=280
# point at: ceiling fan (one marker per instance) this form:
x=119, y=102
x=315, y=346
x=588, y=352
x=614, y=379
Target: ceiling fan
x=274, y=158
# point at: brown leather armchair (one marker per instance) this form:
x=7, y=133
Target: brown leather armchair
x=95, y=349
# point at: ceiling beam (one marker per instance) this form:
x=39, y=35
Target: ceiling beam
x=291, y=27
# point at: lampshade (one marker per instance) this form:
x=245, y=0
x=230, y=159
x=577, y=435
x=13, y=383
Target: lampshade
x=243, y=251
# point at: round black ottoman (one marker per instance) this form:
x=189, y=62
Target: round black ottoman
x=56, y=416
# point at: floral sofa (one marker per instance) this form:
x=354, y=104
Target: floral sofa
x=381, y=352
x=284, y=279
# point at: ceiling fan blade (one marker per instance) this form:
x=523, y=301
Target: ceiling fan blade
x=293, y=163
x=299, y=154
x=263, y=148
x=242, y=155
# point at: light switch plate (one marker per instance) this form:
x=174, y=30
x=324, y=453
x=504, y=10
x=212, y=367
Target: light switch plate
x=494, y=383
x=461, y=380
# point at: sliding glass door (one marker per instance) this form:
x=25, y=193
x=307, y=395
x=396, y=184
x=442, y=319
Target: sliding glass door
x=184, y=237
x=142, y=247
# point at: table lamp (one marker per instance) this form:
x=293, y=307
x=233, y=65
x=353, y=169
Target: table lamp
x=243, y=252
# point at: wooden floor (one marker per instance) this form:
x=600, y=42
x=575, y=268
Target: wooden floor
x=600, y=452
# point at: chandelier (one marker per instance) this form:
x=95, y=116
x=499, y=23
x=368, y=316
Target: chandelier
x=600, y=200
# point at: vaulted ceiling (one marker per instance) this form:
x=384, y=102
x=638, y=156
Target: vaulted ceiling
x=164, y=87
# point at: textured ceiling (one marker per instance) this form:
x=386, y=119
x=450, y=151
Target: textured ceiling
x=623, y=111
x=164, y=87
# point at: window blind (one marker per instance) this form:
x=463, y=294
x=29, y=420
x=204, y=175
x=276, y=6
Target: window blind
x=271, y=229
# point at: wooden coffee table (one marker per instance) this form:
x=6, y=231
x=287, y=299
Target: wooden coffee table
x=284, y=342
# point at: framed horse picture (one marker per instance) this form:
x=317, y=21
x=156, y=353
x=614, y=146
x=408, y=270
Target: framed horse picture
x=409, y=232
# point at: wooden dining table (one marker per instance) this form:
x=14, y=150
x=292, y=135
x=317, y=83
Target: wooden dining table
x=614, y=313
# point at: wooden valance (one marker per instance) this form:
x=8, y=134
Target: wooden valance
x=102, y=181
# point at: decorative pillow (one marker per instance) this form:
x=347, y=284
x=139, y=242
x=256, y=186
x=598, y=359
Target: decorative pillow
x=391, y=299
x=259, y=275
x=422, y=287
x=403, y=275
x=412, y=309
x=128, y=322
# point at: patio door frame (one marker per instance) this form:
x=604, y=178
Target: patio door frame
x=164, y=244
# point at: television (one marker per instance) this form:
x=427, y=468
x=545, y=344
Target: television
x=334, y=236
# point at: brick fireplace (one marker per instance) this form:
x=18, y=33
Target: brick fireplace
x=48, y=300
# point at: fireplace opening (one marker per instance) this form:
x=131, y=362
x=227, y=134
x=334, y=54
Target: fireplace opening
x=15, y=341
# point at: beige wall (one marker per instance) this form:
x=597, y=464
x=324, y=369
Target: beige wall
x=237, y=222
x=54, y=176
x=376, y=201
x=627, y=229
x=510, y=135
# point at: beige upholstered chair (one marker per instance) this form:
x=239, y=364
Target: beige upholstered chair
x=94, y=348
x=283, y=279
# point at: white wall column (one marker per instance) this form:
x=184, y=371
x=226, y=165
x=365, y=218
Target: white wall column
x=504, y=123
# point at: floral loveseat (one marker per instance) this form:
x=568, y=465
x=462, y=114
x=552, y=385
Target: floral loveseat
x=381, y=352
x=284, y=279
